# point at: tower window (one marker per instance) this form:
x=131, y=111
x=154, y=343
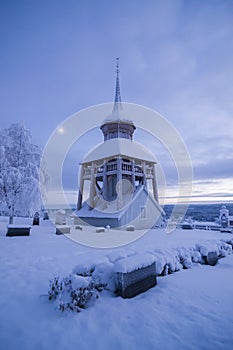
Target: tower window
x=143, y=212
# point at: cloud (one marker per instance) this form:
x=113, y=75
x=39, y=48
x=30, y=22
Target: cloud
x=175, y=57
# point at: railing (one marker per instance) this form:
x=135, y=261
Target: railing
x=137, y=169
x=111, y=166
x=126, y=166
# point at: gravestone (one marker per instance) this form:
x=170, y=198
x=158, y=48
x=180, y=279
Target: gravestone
x=36, y=219
x=60, y=218
x=212, y=258
x=135, y=275
x=100, y=229
x=130, y=228
x=46, y=216
x=18, y=230
x=62, y=229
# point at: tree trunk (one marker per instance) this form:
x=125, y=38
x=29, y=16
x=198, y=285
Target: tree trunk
x=12, y=212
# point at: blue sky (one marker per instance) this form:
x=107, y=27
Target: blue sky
x=58, y=57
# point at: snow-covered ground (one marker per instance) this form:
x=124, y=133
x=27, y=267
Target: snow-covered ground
x=191, y=309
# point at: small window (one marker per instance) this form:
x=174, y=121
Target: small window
x=142, y=213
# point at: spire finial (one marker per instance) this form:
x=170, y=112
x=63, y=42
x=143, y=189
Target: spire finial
x=117, y=65
x=117, y=123
x=117, y=93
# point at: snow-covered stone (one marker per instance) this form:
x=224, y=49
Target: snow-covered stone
x=100, y=229
x=60, y=218
x=130, y=228
x=135, y=262
x=78, y=227
x=212, y=258
x=135, y=275
x=18, y=230
x=62, y=229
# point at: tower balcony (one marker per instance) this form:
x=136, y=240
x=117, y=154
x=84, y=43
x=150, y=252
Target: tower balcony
x=126, y=168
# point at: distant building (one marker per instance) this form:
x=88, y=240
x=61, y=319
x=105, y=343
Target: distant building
x=119, y=171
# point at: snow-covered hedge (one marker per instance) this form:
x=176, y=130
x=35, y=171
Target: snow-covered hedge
x=92, y=276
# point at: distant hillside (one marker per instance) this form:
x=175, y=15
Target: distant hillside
x=201, y=212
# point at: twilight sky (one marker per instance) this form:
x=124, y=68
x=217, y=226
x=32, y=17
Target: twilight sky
x=176, y=57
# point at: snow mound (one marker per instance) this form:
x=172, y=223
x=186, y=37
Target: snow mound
x=86, y=265
x=78, y=282
x=104, y=276
x=116, y=255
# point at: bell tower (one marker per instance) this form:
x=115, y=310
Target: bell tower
x=119, y=170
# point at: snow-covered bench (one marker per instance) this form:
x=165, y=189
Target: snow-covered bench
x=135, y=274
x=18, y=230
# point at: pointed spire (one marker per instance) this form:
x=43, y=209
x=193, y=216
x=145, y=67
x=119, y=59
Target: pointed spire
x=117, y=121
x=117, y=92
x=117, y=108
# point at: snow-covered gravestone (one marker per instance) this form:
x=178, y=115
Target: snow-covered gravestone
x=135, y=275
x=212, y=258
x=18, y=230
x=60, y=217
x=62, y=229
x=60, y=222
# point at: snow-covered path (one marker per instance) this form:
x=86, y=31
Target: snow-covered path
x=191, y=309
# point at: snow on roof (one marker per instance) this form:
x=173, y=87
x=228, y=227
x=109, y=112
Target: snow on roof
x=117, y=116
x=119, y=147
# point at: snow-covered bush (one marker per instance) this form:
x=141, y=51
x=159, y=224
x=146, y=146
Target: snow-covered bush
x=55, y=287
x=167, y=262
x=100, y=270
x=81, y=288
x=161, y=263
x=104, y=277
x=173, y=261
x=184, y=257
x=87, y=265
x=196, y=256
x=224, y=249
x=73, y=292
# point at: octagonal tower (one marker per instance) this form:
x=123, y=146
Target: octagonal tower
x=119, y=171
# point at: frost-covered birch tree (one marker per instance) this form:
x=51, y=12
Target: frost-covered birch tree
x=19, y=172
